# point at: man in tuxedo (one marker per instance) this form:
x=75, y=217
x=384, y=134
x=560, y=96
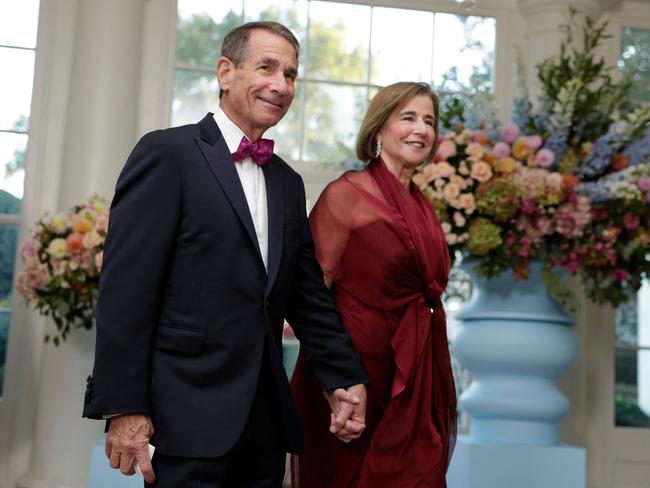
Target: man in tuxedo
x=208, y=251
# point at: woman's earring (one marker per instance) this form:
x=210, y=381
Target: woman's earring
x=378, y=148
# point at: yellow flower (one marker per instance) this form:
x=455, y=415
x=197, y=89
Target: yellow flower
x=57, y=248
x=99, y=206
x=520, y=149
x=505, y=165
x=59, y=223
x=83, y=225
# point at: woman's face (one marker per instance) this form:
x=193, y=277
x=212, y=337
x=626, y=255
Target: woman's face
x=408, y=134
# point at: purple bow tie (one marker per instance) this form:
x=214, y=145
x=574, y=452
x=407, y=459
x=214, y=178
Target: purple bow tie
x=260, y=152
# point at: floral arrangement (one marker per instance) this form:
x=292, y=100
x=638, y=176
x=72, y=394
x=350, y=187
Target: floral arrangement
x=567, y=184
x=62, y=259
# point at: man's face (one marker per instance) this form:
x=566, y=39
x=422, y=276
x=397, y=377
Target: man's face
x=258, y=93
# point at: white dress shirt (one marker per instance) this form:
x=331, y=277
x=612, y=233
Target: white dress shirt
x=252, y=180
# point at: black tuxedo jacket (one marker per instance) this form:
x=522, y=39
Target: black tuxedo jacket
x=186, y=306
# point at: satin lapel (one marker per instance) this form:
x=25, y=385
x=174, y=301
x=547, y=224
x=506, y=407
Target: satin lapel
x=275, y=201
x=219, y=159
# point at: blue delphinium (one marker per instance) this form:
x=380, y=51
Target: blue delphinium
x=639, y=151
x=601, y=152
x=595, y=190
x=556, y=141
x=521, y=109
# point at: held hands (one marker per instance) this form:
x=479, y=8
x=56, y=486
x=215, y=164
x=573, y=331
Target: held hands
x=348, y=417
x=127, y=440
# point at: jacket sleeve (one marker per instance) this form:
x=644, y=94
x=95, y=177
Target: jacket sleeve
x=139, y=245
x=316, y=322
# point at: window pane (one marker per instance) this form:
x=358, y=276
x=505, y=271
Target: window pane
x=8, y=237
x=338, y=41
x=287, y=133
x=632, y=388
x=332, y=119
x=18, y=23
x=635, y=61
x=463, y=51
x=633, y=319
x=17, y=66
x=401, y=45
x=195, y=94
x=5, y=315
x=200, y=29
x=291, y=13
x=12, y=171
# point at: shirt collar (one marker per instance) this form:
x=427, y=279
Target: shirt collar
x=229, y=130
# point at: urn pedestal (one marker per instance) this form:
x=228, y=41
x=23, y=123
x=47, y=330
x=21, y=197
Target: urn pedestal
x=515, y=341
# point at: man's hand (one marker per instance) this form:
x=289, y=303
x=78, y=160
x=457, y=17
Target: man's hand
x=348, y=417
x=127, y=440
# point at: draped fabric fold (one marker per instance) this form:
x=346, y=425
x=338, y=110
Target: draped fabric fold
x=382, y=247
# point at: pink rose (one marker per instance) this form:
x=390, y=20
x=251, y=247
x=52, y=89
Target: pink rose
x=481, y=171
x=545, y=158
x=509, y=133
x=620, y=275
x=501, y=150
x=28, y=250
x=533, y=142
x=544, y=225
x=644, y=184
x=630, y=221
x=447, y=149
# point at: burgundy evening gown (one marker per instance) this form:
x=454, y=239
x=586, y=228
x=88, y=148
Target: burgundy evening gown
x=384, y=251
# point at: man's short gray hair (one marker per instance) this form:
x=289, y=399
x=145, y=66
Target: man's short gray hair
x=235, y=43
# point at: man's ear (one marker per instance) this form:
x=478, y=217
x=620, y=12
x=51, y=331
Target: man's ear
x=225, y=72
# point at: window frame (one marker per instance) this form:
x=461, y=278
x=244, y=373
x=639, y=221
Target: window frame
x=501, y=82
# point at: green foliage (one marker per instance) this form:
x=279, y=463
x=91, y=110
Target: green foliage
x=199, y=38
x=628, y=413
x=559, y=291
x=17, y=162
x=9, y=204
x=328, y=57
x=598, y=95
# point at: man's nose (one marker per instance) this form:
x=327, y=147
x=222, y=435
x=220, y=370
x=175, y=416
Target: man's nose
x=279, y=84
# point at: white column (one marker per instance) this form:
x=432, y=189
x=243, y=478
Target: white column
x=96, y=129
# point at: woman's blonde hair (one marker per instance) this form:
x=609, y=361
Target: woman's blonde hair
x=384, y=103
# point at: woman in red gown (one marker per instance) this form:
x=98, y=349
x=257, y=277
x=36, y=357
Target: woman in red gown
x=383, y=253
